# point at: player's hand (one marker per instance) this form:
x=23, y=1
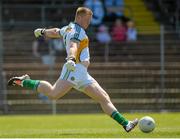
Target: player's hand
x=70, y=64
x=39, y=32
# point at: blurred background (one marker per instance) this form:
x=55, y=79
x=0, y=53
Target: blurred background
x=134, y=47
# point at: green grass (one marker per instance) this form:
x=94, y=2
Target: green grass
x=85, y=126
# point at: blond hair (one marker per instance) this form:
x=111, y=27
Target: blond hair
x=81, y=11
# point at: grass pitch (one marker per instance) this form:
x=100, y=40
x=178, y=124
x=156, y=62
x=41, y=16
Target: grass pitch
x=85, y=126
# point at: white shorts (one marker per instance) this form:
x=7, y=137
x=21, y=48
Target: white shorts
x=80, y=78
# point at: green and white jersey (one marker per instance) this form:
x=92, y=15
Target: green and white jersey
x=74, y=32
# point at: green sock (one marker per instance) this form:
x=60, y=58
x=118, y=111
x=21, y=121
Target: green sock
x=119, y=118
x=30, y=84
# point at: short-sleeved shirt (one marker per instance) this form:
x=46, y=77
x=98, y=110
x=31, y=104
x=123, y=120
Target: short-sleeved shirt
x=74, y=32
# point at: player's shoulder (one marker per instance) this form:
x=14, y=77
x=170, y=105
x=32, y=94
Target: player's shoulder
x=77, y=31
x=63, y=30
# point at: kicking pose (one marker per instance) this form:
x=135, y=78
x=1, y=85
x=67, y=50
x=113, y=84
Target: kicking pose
x=74, y=72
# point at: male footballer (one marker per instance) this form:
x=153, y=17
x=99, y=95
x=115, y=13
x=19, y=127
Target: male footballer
x=74, y=72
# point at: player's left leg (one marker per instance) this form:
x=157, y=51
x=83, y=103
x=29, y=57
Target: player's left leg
x=96, y=92
x=56, y=91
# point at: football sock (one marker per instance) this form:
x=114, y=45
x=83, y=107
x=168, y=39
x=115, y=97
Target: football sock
x=30, y=84
x=119, y=118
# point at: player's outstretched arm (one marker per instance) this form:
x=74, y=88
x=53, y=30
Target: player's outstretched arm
x=71, y=58
x=50, y=33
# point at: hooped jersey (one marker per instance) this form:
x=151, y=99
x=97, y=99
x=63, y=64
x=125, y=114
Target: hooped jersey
x=74, y=32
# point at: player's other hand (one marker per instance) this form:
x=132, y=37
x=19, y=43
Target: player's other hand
x=70, y=64
x=39, y=32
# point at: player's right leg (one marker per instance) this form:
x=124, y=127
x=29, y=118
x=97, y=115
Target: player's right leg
x=59, y=89
x=96, y=92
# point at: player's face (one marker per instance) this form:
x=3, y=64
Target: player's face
x=86, y=20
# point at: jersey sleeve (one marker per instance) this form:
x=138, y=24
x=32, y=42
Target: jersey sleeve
x=75, y=34
x=75, y=37
x=85, y=54
x=62, y=31
x=70, y=36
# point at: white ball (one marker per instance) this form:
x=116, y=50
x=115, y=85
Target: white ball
x=146, y=124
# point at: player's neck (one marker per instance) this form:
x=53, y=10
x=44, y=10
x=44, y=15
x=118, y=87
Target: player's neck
x=79, y=24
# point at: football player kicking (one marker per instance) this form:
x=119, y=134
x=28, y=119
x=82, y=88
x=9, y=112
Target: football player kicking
x=74, y=72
